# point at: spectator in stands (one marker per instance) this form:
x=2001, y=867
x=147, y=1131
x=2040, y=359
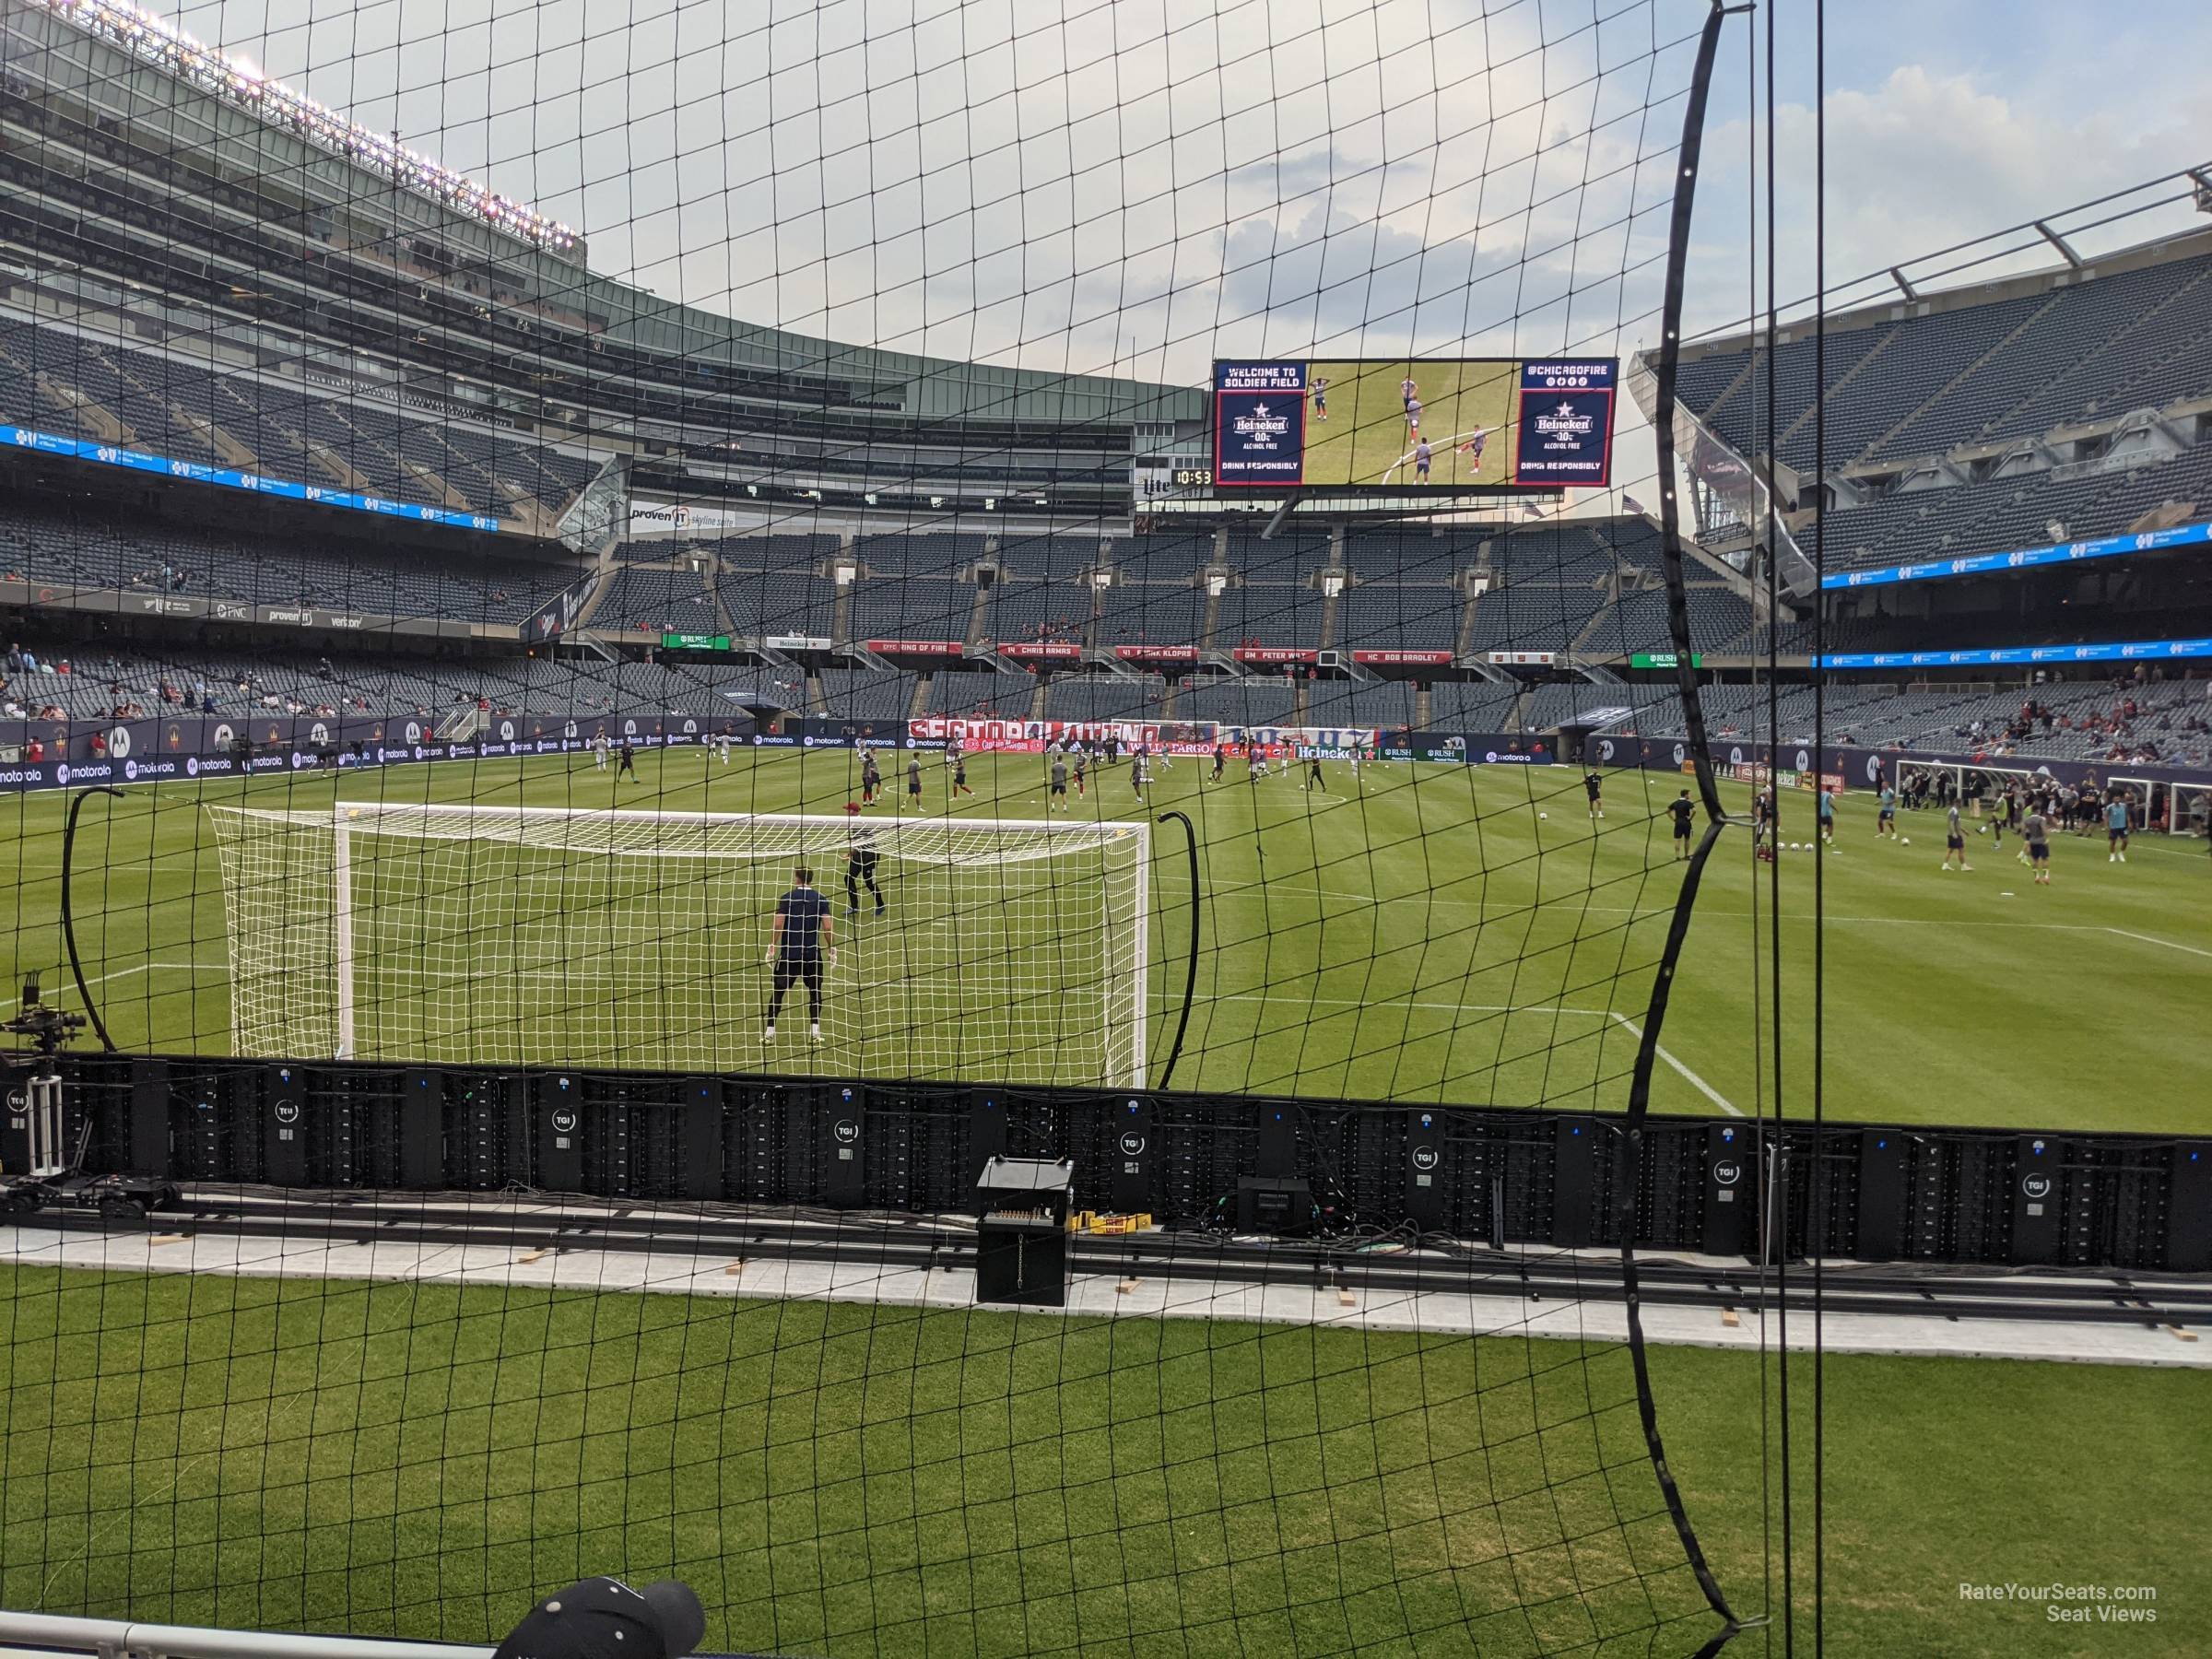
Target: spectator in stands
x=99, y=745
x=34, y=751
x=12, y=709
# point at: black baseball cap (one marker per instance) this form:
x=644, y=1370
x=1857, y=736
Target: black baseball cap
x=604, y=1618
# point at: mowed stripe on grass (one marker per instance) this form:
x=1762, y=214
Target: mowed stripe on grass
x=1413, y=932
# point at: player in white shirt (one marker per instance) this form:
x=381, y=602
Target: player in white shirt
x=599, y=751
x=722, y=746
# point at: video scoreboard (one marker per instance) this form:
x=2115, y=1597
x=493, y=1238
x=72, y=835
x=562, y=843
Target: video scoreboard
x=1465, y=426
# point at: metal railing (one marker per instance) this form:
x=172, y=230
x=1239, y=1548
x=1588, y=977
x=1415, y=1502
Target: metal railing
x=51, y=1636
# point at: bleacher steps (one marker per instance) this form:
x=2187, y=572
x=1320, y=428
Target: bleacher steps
x=1805, y=417
x=1959, y=379
x=105, y=426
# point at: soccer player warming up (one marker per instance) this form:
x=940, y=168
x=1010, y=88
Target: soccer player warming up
x=801, y=935
x=1058, y=775
x=626, y=764
x=1954, y=839
x=1082, y=771
x=1682, y=809
x=1827, y=816
x=860, y=859
x=2036, y=832
x=871, y=777
x=913, y=781
x=1220, y=760
x=959, y=775
x=2116, y=828
x=1595, y=787
x=1885, y=822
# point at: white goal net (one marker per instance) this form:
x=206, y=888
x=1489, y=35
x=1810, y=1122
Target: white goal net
x=1002, y=952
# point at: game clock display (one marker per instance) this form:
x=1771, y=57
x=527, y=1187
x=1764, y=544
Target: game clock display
x=1467, y=426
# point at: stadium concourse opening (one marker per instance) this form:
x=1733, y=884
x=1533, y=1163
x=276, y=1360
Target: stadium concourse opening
x=1005, y=830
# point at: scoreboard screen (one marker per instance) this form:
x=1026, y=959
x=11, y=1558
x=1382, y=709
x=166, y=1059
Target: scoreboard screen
x=1461, y=426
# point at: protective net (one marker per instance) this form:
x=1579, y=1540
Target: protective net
x=714, y=629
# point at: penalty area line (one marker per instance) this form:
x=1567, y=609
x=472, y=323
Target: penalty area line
x=2147, y=939
x=1634, y=1029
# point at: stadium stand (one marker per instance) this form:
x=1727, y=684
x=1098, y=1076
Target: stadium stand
x=2014, y=416
x=100, y=547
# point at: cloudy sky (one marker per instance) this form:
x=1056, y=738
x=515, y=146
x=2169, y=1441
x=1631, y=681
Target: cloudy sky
x=1137, y=185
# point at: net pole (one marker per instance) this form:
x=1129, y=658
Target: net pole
x=341, y=926
x=1140, y=1001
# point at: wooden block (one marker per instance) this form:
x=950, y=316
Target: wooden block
x=1729, y=1319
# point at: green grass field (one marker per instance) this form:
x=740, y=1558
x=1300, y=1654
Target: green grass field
x=851, y=1480
x=1367, y=440
x=1430, y=933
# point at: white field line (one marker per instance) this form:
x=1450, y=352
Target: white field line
x=2146, y=939
x=1510, y=907
x=69, y=987
x=1695, y=1081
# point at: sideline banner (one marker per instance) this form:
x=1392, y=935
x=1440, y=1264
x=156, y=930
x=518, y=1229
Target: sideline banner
x=1850, y=767
x=76, y=753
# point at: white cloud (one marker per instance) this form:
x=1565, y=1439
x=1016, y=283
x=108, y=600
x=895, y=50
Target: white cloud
x=1138, y=184
x=1924, y=160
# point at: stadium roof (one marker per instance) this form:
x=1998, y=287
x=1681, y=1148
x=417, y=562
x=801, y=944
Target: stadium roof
x=238, y=82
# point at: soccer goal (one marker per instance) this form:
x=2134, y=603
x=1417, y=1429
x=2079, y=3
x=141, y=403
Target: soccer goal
x=1004, y=951
x=2190, y=810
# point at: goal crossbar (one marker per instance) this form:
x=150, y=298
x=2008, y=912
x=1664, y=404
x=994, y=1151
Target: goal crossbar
x=634, y=833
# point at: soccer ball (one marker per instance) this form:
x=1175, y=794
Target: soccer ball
x=1904, y=841
x=1793, y=847
x=1544, y=814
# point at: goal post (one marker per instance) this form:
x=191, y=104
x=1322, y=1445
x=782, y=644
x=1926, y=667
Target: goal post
x=1005, y=951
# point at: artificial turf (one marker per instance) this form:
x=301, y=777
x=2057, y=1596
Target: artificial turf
x=1430, y=931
